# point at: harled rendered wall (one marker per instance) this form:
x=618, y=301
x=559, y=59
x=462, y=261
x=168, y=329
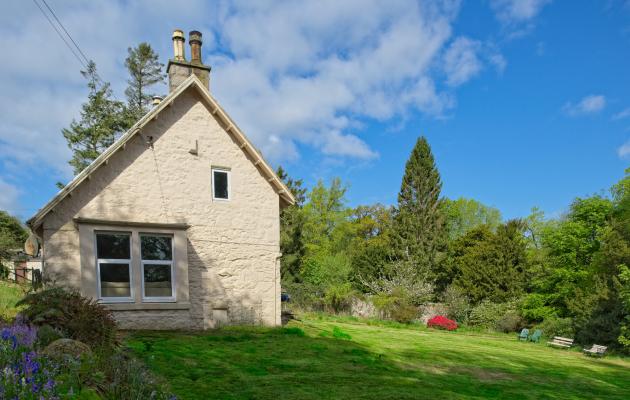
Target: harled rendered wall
x=232, y=246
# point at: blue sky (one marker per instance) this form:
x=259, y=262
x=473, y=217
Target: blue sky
x=524, y=102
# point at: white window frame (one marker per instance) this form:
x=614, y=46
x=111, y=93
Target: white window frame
x=100, y=261
x=229, y=183
x=158, y=299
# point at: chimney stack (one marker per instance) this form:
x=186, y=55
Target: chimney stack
x=179, y=68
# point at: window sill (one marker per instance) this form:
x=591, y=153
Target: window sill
x=146, y=306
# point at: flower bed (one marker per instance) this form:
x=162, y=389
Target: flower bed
x=24, y=374
x=441, y=322
x=41, y=357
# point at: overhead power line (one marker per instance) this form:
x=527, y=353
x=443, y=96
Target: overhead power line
x=74, y=47
x=66, y=31
x=60, y=34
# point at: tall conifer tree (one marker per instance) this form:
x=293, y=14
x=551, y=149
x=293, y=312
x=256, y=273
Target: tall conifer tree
x=144, y=71
x=419, y=227
x=102, y=119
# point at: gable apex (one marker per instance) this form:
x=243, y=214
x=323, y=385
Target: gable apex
x=228, y=125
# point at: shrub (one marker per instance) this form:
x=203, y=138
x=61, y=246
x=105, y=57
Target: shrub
x=46, y=334
x=441, y=322
x=396, y=306
x=554, y=326
x=338, y=297
x=75, y=316
x=487, y=314
x=457, y=303
x=511, y=321
x=304, y=295
x=404, y=277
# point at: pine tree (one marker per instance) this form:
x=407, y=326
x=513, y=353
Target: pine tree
x=144, y=71
x=419, y=224
x=102, y=119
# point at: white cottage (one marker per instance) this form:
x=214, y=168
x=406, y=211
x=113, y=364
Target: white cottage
x=176, y=225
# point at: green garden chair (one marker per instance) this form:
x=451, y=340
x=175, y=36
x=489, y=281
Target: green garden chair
x=524, y=335
x=536, y=336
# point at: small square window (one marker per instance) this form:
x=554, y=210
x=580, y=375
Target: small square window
x=220, y=184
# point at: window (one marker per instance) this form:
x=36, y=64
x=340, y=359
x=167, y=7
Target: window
x=113, y=253
x=157, y=267
x=220, y=184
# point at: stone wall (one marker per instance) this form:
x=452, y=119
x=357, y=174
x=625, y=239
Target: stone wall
x=364, y=308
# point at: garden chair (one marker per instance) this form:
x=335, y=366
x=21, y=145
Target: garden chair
x=596, y=351
x=536, y=336
x=524, y=334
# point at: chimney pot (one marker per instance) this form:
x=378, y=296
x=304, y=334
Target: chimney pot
x=156, y=100
x=179, y=69
x=178, y=45
x=194, y=38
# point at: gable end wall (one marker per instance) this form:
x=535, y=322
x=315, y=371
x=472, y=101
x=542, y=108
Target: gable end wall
x=232, y=246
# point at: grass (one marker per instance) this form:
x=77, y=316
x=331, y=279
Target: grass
x=334, y=358
x=10, y=293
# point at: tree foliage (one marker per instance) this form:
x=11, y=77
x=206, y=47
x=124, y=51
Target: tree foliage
x=12, y=235
x=102, y=119
x=489, y=265
x=370, y=250
x=569, y=275
x=464, y=214
x=145, y=70
x=419, y=225
x=291, y=230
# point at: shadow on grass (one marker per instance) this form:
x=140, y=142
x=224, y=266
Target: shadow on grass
x=258, y=363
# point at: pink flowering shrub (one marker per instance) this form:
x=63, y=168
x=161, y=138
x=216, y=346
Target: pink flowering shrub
x=441, y=322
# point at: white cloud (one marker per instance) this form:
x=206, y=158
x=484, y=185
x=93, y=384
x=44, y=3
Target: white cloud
x=624, y=150
x=9, y=197
x=515, y=11
x=461, y=61
x=294, y=70
x=591, y=104
x=622, y=114
x=293, y=74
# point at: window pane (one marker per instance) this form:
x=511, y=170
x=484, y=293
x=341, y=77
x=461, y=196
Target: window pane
x=157, y=280
x=156, y=248
x=115, y=280
x=113, y=245
x=220, y=185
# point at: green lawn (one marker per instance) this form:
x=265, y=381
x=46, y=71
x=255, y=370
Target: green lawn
x=10, y=293
x=377, y=361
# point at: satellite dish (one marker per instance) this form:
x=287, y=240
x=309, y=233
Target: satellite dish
x=31, y=246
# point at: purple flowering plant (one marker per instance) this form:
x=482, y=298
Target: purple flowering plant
x=24, y=374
